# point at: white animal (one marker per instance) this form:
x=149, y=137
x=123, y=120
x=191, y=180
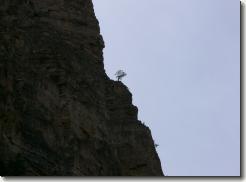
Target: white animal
x=120, y=74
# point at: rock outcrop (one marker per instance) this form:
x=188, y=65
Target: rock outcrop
x=60, y=115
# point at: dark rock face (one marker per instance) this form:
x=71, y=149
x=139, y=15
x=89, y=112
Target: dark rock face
x=59, y=112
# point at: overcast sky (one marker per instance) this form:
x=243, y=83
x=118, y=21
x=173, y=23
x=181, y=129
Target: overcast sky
x=182, y=58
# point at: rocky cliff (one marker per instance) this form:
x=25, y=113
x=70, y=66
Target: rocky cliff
x=59, y=112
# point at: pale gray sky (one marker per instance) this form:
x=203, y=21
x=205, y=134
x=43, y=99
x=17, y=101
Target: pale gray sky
x=182, y=58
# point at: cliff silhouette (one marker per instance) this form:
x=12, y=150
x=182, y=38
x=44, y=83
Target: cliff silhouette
x=60, y=114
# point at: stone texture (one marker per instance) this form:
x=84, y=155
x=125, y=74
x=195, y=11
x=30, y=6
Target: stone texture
x=59, y=112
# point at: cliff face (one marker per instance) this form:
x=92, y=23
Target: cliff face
x=59, y=112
